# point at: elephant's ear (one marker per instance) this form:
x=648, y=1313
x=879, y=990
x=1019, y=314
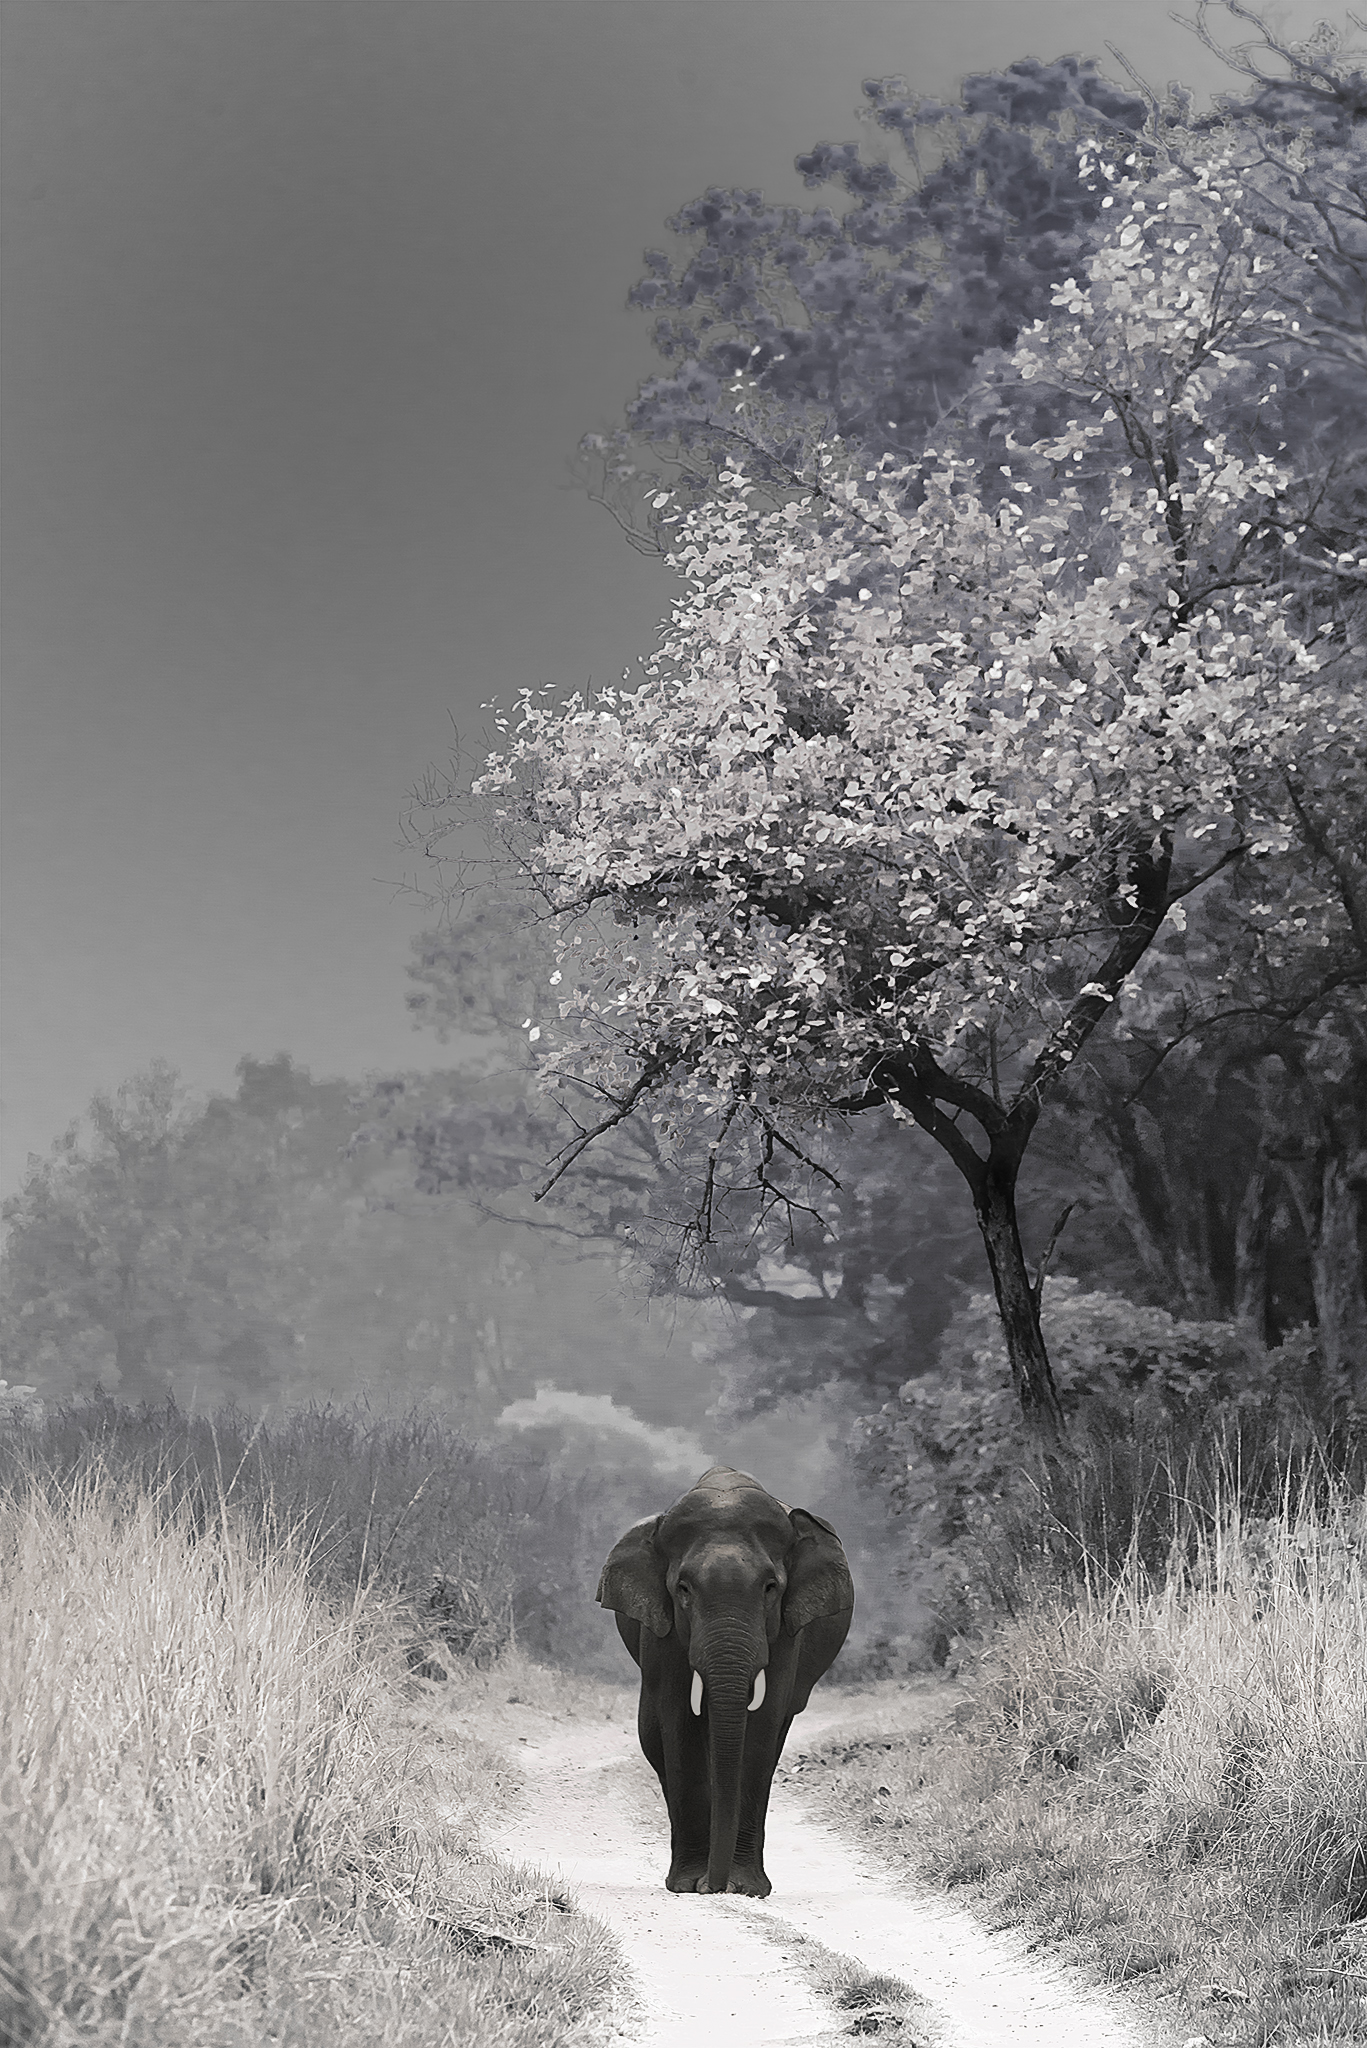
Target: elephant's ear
x=633, y=1580
x=819, y=1579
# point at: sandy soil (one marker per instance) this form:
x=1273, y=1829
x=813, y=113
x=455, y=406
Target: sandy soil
x=728, y=1971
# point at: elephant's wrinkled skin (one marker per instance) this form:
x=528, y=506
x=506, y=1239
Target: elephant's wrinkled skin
x=728, y=1594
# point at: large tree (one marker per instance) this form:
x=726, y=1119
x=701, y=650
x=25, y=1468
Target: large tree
x=929, y=756
x=870, y=323
x=1213, y=1141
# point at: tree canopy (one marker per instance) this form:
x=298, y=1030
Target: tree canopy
x=1207, y=1141
x=865, y=325
x=931, y=753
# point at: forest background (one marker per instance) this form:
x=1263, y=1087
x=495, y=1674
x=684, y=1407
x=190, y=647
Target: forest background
x=1197, y=1186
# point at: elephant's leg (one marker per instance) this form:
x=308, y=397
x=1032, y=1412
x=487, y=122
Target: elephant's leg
x=750, y=1843
x=688, y=1796
x=676, y=1749
x=679, y=1761
x=748, y=1875
x=794, y=1669
x=651, y=1738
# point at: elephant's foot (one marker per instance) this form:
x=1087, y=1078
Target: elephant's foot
x=747, y=1879
x=687, y=1875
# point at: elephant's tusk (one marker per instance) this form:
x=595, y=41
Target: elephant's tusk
x=758, y=1697
x=695, y=1697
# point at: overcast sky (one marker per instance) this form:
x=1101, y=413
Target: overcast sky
x=307, y=303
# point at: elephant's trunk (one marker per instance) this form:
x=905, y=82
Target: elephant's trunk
x=728, y=1689
x=726, y=1721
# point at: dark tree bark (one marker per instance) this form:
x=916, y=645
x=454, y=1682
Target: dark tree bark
x=938, y=1101
x=1326, y=1178
x=1338, y=1278
x=921, y=1087
x=1018, y=1298
x=1252, y=1242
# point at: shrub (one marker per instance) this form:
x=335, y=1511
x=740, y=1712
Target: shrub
x=1158, y=1408
x=20, y=1407
x=1165, y=1770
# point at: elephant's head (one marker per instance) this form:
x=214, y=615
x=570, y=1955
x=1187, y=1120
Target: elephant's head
x=726, y=1571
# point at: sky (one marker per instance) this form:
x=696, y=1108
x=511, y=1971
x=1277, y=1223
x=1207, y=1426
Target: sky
x=306, y=306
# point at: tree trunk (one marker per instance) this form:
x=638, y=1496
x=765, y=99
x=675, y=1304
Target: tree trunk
x=1336, y=1267
x=1252, y=1238
x=994, y=1199
x=1326, y=1177
x=992, y=1184
x=1164, y=1212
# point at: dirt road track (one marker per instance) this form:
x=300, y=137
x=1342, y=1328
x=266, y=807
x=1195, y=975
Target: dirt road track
x=723, y=1971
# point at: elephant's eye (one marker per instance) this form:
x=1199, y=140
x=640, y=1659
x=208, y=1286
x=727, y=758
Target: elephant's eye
x=772, y=1587
x=683, y=1591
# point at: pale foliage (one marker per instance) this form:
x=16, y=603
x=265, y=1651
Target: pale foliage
x=923, y=760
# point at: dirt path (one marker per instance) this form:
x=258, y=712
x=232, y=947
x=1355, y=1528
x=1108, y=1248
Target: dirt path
x=726, y=1971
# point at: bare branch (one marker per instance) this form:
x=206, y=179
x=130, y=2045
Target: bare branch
x=777, y=1193
x=709, y=1189
x=1231, y=853
x=644, y=1082
x=1037, y=1285
x=796, y=1150
x=1140, y=83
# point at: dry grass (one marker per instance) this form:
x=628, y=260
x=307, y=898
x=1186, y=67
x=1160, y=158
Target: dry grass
x=212, y=1824
x=517, y=1680
x=873, y=2003
x=1169, y=1773
x=481, y=1537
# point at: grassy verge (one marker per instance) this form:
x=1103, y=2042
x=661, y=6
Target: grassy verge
x=873, y=2003
x=213, y=1823
x=1168, y=1775
x=479, y=1539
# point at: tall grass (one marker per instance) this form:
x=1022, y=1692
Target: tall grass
x=213, y=1826
x=481, y=1539
x=1146, y=1493
x=1229, y=1690
x=1162, y=1755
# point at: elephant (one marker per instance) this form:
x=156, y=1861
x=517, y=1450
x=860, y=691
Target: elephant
x=733, y=1605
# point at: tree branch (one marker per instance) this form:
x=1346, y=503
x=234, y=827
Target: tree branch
x=1231, y=853
x=1318, y=839
x=914, y=1098
x=798, y=1306
x=654, y=1071
x=1090, y=1006
x=1037, y=1285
